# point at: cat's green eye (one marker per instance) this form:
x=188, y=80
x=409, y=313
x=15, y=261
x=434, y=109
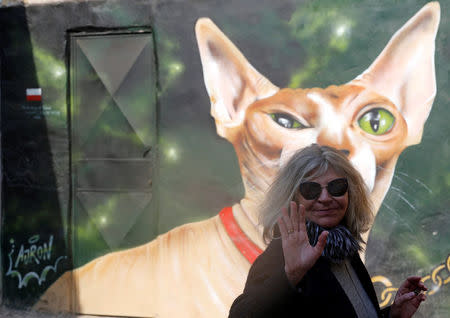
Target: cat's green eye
x=286, y=121
x=377, y=121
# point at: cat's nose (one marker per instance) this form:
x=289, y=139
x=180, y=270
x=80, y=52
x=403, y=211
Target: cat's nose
x=345, y=152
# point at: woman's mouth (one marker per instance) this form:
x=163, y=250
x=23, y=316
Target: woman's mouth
x=325, y=210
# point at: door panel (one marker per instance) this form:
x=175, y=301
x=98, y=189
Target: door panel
x=113, y=112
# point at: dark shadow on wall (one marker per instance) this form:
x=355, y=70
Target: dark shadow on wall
x=33, y=242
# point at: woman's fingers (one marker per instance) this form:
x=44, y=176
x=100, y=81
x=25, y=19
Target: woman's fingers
x=301, y=218
x=415, y=299
x=292, y=225
x=293, y=222
x=412, y=283
x=321, y=242
x=294, y=216
x=287, y=220
x=415, y=282
x=282, y=226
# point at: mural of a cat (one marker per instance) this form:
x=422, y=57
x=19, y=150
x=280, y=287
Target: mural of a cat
x=197, y=269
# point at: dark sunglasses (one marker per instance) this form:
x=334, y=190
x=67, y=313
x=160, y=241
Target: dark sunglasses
x=312, y=190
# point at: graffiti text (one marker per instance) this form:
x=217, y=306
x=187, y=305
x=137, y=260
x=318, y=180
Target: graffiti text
x=33, y=253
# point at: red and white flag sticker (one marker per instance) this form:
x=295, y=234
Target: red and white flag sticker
x=34, y=94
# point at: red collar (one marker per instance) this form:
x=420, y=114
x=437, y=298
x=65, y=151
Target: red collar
x=249, y=249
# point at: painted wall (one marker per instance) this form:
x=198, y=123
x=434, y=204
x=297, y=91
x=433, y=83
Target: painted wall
x=46, y=230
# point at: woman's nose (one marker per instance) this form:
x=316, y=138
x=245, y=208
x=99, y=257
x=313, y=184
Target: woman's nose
x=324, y=195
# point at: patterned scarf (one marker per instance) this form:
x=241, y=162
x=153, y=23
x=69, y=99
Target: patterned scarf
x=340, y=242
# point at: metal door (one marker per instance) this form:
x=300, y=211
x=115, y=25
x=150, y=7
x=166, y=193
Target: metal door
x=113, y=131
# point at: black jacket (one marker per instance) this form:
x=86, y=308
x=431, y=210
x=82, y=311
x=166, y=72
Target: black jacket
x=267, y=292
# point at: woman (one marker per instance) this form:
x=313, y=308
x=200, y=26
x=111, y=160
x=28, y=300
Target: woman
x=314, y=270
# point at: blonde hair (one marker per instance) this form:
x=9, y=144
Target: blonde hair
x=306, y=165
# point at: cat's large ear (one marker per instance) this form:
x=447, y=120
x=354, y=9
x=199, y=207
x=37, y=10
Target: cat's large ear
x=404, y=72
x=232, y=83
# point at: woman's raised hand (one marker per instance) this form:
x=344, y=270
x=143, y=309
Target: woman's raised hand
x=299, y=255
x=408, y=298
